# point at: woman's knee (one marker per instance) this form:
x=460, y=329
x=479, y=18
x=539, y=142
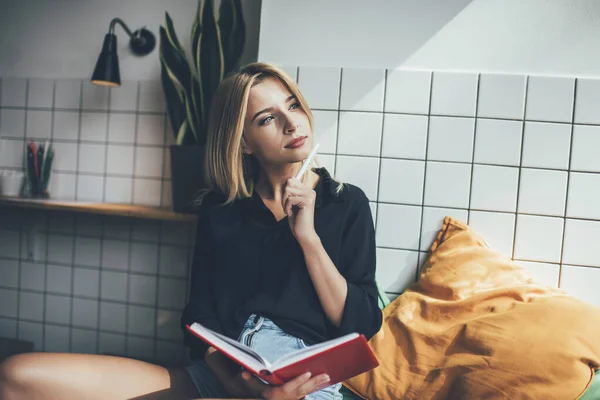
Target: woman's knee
x=16, y=374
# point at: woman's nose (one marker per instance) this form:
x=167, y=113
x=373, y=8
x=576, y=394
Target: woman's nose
x=291, y=125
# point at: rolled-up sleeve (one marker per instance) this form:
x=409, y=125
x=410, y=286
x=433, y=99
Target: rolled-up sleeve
x=200, y=307
x=357, y=265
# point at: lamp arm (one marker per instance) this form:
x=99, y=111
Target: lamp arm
x=119, y=21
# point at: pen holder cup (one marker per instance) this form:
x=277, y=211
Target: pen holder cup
x=11, y=183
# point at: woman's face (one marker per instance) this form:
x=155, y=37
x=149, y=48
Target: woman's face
x=276, y=129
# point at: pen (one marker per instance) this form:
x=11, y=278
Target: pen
x=308, y=161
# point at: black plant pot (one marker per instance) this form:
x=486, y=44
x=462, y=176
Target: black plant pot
x=187, y=176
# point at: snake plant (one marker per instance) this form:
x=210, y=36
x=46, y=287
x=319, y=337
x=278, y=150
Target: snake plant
x=216, y=47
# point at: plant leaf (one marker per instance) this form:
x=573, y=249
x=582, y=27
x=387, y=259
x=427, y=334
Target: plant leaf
x=196, y=35
x=177, y=69
x=181, y=133
x=210, y=55
x=172, y=36
x=233, y=33
x=174, y=99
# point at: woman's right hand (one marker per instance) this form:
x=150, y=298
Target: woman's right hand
x=295, y=389
x=228, y=373
x=244, y=384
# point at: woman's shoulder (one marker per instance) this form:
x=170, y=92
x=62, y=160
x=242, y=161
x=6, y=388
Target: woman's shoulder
x=340, y=192
x=351, y=196
x=208, y=200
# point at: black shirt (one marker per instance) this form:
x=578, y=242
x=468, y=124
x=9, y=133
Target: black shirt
x=245, y=261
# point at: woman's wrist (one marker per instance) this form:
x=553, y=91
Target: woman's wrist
x=310, y=242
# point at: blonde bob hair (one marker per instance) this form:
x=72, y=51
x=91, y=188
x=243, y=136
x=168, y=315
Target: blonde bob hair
x=227, y=168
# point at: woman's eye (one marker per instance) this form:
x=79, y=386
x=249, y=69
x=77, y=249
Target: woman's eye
x=266, y=120
x=295, y=105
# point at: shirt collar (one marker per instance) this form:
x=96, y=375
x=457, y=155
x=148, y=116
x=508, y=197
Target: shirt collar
x=326, y=188
x=326, y=191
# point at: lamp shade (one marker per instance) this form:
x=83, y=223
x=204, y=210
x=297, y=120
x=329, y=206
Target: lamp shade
x=106, y=72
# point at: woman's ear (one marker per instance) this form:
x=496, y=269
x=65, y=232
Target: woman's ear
x=245, y=148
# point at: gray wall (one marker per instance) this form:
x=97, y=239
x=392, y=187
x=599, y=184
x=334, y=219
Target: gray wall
x=550, y=37
x=357, y=33
x=62, y=38
x=78, y=282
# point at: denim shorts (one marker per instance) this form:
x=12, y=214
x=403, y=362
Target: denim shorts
x=262, y=335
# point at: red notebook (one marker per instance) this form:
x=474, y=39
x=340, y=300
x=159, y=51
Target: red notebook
x=340, y=358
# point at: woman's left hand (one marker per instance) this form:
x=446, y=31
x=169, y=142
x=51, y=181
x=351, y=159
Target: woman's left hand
x=299, y=205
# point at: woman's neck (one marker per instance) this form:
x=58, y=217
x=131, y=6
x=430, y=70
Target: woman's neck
x=271, y=182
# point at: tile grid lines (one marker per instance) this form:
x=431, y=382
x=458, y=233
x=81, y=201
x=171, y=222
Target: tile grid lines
x=102, y=236
x=364, y=156
x=135, y=132
x=519, y=174
x=20, y=262
x=87, y=141
x=120, y=302
x=0, y=112
x=164, y=147
x=85, y=110
x=60, y=324
x=78, y=141
x=564, y=227
x=463, y=163
x=47, y=240
x=127, y=279
x=87, y=267
x=459, y=116
x=106, y=149
x=337, y=133
x=385, y=77
x=473, y=148
x=157, y=288
x=74, y=243
x=424, y=174
x=101, y=262
x=158, y=113
x=314, y=109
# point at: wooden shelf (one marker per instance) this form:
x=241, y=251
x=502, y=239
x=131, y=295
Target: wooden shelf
x=123, y=210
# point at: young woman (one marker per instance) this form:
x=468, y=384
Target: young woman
x=280, y=263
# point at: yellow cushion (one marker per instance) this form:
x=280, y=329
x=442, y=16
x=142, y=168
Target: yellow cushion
x=476, y=326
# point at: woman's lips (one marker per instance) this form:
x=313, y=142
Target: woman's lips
x=297, y=143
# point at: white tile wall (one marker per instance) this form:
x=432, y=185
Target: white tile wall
x=546, y=145
x=550, y=99
x=360, y=133
x=494, y=188
x=454, y=94
x=447, y=184
x=362, y=89
x=408, y=91
x=451, y=139
x=501, y=96
x=497, y=151
x=320, y=87
x=586, y=139
x=88, y=283
x=587, y=101
x=404, y=136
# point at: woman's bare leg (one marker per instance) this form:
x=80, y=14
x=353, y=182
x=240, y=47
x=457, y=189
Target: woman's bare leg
x=66, y=376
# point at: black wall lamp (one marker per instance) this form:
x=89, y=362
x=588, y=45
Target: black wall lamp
x=106, y=73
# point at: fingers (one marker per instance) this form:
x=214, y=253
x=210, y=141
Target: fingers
x=252, y=383
x=298, y=387
x=298, y=194
x=293, y=385
x=314, y=384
